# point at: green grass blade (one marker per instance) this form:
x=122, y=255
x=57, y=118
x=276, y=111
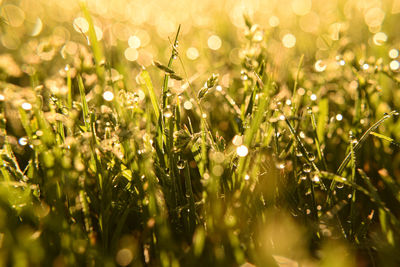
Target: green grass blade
x=96, y=48
x=148, y=87
x=85, y=109
x=362, y=140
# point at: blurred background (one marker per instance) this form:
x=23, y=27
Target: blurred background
x=211, y=30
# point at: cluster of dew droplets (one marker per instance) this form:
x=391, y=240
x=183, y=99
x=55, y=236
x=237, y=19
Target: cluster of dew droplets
x=353, y=139
x=175, y=49
x=243, y=75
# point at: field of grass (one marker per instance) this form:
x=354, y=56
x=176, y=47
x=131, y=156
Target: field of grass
x=200, y=133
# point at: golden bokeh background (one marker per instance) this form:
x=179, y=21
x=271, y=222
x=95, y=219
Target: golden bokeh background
x=141, y=27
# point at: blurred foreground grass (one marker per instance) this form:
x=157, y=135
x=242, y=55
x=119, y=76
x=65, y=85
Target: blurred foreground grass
x=179, y=133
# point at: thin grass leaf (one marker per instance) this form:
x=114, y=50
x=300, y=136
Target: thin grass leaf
x=296, y=82
x=174, y=54
x=148, y=87
x=251, y=132
x=163, y=67
x=85, y=109
x=386, y=138
x=317, y=133
x=96, y=48
x=69, y=87
x=362, y=140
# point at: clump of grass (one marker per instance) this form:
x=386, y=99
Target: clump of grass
x=105, y=174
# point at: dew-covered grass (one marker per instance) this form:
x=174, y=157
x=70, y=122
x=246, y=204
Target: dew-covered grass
x=268, y=145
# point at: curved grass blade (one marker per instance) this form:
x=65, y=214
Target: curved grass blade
x=362, y=140
x=148, y=86
x=85, y=109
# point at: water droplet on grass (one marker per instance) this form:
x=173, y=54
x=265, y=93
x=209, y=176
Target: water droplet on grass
x=108, y=96
x=319, y=66
x=243, y=76
x=298, y=153
x=26, y=106
x=23, y=141
x=303, y=176
x=394, y=65
x=315, y=178
x=307, y=168
x=280, y=164
x=393, y=53
x=313, y=97
x=242, y=151
x=167, y=112
x=181, y=164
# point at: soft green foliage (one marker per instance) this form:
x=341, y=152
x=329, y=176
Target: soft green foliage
x=125, y=171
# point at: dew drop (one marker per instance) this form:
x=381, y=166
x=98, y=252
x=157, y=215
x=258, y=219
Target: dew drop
x=307, y=168
x=313, y=97
x=187, y=105
x=311, y=156
x=237, y=140
x=243, y=76
x=393, y=53
x=26, y=106
x=280, y=164
x=167, y=112
x=394, y=65
x=365, y=66
x=303, y=176
x=242, y=151
x=23, y=141
x=181, y=164
x=320, y=66
x=315, y=178
x=298, y=153
x=108, y=96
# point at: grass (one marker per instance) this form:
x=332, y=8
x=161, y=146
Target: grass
x=239, y=166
